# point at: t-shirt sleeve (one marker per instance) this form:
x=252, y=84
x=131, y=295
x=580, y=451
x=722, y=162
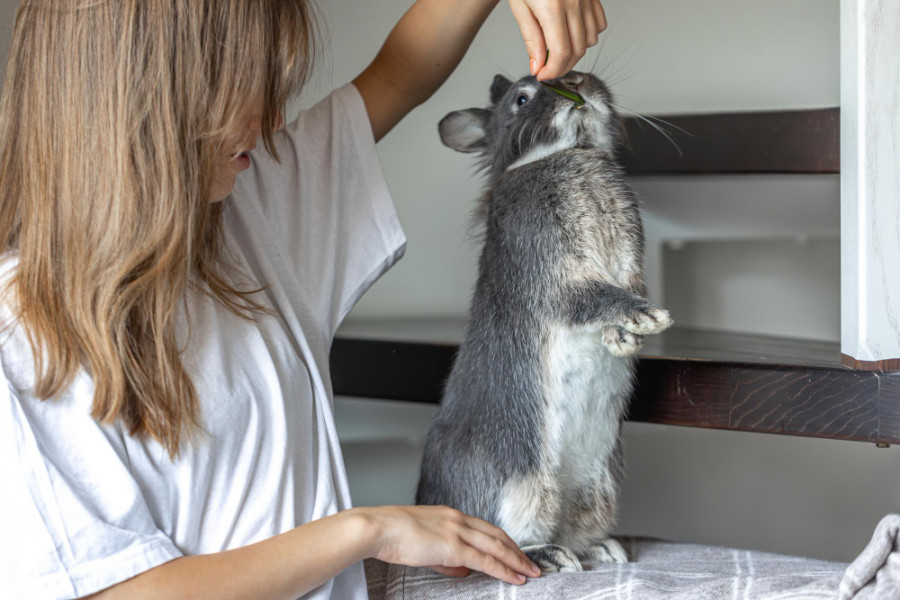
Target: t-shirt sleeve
x=72, y=518
x=327, y=208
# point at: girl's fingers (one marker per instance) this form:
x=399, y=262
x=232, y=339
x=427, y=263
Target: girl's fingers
x=577, y=37
x=556, y=34
x=595, y=21
x=487, y=564
x=510, y=556
x=494, y=531
x=560, y=47
x=532, y=34
x=591, y=29
x=568, y=31
x=600, y=16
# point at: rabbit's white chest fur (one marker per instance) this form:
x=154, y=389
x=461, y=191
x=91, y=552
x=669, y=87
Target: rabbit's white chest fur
x=585, y=388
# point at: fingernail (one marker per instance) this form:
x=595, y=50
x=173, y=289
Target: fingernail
x=520, y=577
x=535, y=569
x=533, y=65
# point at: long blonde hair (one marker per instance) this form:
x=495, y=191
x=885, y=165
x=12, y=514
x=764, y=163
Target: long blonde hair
x=112, y=115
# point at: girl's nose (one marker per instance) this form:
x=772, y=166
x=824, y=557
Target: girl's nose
x=254, y=125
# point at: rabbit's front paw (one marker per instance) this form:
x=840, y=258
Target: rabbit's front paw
x=606, y=551
x=620, y=342
x=552, y=558
x=650, y=319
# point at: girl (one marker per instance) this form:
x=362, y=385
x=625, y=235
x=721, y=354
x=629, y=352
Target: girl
x=166, y=426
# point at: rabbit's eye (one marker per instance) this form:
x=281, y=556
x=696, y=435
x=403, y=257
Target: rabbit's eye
x=521, y=100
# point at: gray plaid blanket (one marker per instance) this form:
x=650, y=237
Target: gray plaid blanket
x=677, y=571
x=658, y=570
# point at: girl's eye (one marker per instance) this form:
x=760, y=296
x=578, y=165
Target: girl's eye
x=523, y=99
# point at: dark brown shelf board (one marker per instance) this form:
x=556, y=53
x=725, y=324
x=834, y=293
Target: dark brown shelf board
x=791, y=141
x=685, y=377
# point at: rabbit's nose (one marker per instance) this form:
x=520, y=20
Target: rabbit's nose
x=573, y=79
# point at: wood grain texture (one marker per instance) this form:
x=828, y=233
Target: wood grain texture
x=685, y=377
x=796, y=141
x=889, y=406
x=805, y=402
x=795, y=401
x=673, y=392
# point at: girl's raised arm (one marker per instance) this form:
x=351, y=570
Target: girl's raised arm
x=429, y=41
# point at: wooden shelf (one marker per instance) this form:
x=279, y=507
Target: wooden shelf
x=685, y=377
x=796, y=141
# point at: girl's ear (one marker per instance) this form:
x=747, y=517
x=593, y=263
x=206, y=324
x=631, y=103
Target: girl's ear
x=464, y=130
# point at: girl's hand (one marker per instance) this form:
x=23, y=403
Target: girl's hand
x=446, y=540
x=567, y=27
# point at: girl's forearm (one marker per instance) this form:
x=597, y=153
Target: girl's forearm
x=420, y=53
x=431, y=39
x=283, y=567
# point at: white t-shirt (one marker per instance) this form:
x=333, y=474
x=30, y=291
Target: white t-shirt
x=84, y=506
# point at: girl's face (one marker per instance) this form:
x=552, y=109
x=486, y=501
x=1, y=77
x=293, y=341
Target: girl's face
x=235, y=155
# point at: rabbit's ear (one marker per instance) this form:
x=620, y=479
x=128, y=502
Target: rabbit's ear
x=464, y=130
x=499, y=87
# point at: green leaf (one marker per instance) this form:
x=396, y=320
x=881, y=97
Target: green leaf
x=576, y=98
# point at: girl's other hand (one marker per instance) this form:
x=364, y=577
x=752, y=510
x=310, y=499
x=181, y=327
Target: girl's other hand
x=566, y=27
x=445, y=540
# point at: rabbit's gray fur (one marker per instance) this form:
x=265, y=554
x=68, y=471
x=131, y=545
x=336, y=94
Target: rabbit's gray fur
x=528, y=436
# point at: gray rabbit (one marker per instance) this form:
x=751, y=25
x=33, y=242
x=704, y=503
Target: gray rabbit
x=528, y=435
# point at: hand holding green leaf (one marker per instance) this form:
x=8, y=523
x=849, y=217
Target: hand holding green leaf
x=568, y=27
